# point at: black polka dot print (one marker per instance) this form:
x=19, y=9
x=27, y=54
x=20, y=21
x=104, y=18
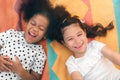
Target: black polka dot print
x=31, y=56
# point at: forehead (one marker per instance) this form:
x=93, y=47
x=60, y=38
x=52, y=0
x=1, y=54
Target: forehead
x=40, y=17
x=40, y=20
x=73, y=28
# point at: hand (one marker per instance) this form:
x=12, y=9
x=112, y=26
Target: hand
x=25, y=75
x=4, y=63
x=16, y=66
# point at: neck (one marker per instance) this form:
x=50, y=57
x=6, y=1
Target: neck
x=78, y=55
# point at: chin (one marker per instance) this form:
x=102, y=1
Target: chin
x=30, y=42
x=81, y=51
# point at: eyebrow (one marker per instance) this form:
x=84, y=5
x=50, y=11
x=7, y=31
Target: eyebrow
x=66, y=37
x=32, y=20
x=79, y=32
x=40, y=24
x=71, y=36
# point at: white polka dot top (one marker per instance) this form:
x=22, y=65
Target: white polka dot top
x=32, y=56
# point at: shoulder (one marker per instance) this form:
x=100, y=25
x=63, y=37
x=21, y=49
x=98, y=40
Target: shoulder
x=8, y=32
x=71, y=66
x=38, y=49
x=13, y=31
x=70, y=61
x=96, y=44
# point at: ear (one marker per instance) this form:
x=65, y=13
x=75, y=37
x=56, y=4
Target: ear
x=24, y=26
x=63, y=43
x=85, y=32
x=24, y=1
x=23, y=22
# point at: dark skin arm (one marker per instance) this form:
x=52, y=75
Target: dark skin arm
x=0, y=46
x=7, y=65
x=4, y=63
x=25, y=75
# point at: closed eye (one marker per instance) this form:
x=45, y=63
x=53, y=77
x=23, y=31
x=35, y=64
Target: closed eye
x=33, y=23
x=79, y=35
x=69, y=39
x=42, y=28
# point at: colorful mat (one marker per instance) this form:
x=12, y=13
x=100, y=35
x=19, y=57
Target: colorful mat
x=92, y=11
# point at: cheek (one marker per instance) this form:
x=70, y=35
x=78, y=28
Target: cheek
x=69, y=45
x=86, y=40
x=41, y=34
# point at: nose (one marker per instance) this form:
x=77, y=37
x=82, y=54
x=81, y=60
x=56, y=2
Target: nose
x=77, y=40
x=36, y=29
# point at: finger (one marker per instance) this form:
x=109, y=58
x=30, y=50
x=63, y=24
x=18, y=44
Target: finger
x=4, y=68
x=7, y=62
x=1, y=69
x=17, y=59
x=6, y=58
x=11, y=68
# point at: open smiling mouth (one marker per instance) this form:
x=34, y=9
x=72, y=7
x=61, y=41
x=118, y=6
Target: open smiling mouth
x=79, y=47
x=32, y=34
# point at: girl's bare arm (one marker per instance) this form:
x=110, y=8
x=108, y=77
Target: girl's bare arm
x=76, y=76
x=111, y=55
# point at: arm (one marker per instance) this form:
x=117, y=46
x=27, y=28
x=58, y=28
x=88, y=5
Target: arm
x=0, y=46
x=76, y=75
x=4, y=60
x=4, y=63
x=111, y=55
x=25, y=75
x=73, y=69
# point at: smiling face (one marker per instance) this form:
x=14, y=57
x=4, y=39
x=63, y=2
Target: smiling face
x=36, y=28
x=75, y=39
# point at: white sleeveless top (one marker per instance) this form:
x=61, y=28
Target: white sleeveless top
x=93, y=66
